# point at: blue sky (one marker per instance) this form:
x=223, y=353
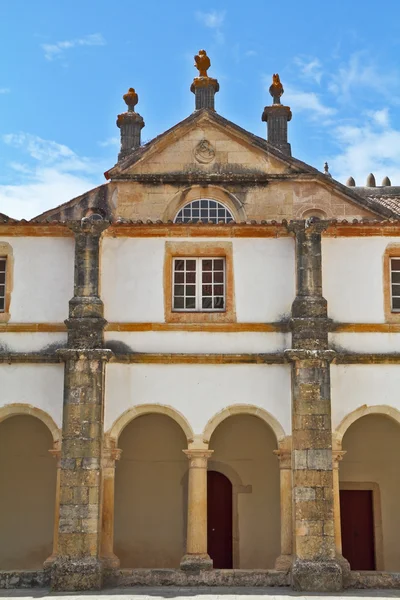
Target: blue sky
x=65, y=65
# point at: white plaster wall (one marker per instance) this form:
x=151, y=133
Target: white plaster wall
x=43, y=278
x=30, y=342
x=198, y=391
x=38, y=385
x=352, y=278
x=366, y=342
x=200, y=342
x=132, y=278
x=357, y=385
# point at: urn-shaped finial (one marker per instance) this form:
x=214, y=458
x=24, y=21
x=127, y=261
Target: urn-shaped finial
x=131, y=99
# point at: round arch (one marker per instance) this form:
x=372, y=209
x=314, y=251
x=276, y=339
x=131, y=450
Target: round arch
x=197, y=192
x=146, y=409
x=243, y=409
x=13, y=410
x=363, y=411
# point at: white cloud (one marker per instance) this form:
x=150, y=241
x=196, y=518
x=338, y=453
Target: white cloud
x=5, y=90
x=310, y=68
x=307, y=101
x=212, y=19
x=112, y=141
x=53, y=51
x=56, y=175
x=379, y=117
x=361, y=72
x=367, y=148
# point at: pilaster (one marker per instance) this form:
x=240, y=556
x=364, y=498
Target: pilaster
x=108, y=558
x=284, y=561
x=78, y=565
x=315, y=567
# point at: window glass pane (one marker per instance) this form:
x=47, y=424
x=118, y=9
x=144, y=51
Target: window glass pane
x=207, y=265
x=2, y=277
x=190, y=303
x=190, y=290
x=395, y=264
x=179, y=277
x=218, y=277
x=207, y=290
x=179, y=290
x=191, y=277
x=396, y=303
x=395, y=277
x=179, y=265
x=2, y=290
x=190, y=265
x=219, y=302
x=2, y=304
x=205, y=210
x=395, y=290
x=218, y=290
x=207, y=303
x=179, y=302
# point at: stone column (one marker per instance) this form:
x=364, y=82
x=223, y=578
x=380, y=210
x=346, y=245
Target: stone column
x=315, y=567
x=108, y=557
x=337, y=456
x=78, y=565
x=56, y=453
x=196, y=556
x=284, y=561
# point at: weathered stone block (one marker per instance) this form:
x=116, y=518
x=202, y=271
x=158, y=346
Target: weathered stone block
x=319, y=459
x=76, y=575
x=316, y=576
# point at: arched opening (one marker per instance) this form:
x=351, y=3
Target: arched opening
x=244, y=444
x=205, y=210
x=150, y=499
x=369, y=493
x=28, y=483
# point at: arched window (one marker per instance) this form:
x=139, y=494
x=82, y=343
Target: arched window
x=204, y=210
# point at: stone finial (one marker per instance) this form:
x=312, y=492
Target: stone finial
x=277, y=117
x=371, y=181
x=131, y=99
x=351, y=182
x=276, y=89
x=203, y=87
x=386, y=181
x=326, y=170
x=130, y=124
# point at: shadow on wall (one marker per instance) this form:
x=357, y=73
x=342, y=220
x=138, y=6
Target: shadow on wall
x=28, y=480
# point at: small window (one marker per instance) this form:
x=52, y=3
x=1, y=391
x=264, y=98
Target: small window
x=204, y=210
x=198, y=284
x=3, y=270
x=395, y=283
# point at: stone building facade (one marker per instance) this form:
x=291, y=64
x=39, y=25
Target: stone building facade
x=199, y=369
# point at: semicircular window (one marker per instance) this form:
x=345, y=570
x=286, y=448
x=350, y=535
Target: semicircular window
x=204, y=210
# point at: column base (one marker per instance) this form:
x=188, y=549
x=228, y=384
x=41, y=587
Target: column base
x=70, y=575
x=110, y=562
x=284, y=562
x=196, y=562
x=316, y=576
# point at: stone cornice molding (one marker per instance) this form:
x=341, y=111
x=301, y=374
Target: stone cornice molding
x=293, y=355
x=103, y=354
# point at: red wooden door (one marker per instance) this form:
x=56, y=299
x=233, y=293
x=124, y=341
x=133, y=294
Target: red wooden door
x=357, y=523
x=219, y=519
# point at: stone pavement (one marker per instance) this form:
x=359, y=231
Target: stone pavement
x=147, y=593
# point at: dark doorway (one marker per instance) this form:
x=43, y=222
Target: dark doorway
x=219, y=519
x=357, y=524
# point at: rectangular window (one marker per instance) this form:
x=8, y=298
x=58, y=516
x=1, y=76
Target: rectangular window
x=3, y=267
x=395, y=284
x=198, y=284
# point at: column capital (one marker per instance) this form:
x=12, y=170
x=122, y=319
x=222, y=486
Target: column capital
x=307, y=226
x=337, y=456
x=198, y=457
x=301, y=354
x=103, y=354
x=88, y=226
x=284, y=456
x=110, y=455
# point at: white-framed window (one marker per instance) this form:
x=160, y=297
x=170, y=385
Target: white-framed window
x=204, y=210
x=3, y=270
x=395, y=284
x=198, y=284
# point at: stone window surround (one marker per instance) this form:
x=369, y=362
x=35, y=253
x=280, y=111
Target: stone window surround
x=6, y=252
x=198, y=250
x=204, y=192
x=377, y=515
x=392, y=251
